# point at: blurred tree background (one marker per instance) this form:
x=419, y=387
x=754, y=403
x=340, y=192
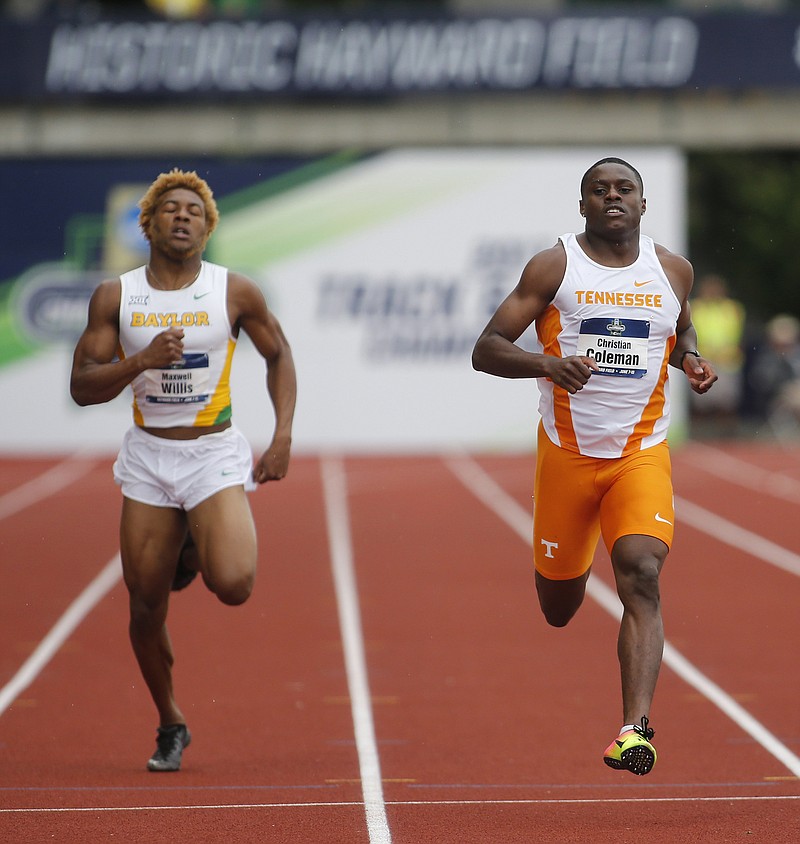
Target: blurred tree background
x=744, y=223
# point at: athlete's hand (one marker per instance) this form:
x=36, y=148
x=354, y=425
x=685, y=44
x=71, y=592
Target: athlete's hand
x=273, y=463
x=165, y=349
x=700, y=373
x=572, y=372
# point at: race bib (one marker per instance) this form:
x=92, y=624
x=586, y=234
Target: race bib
x=184, y=382
x=618, y=346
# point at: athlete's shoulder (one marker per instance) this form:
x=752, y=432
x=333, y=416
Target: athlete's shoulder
x=109, y=291
x=678, y=270
x=104, y=303
x=673, y=258
x=242, y=286
x=546, y=268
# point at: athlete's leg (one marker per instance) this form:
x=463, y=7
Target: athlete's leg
x=637, y=562
x=560, y=599
x=637, y=516
x=223, y=531
x=566, y=528
x=150, y=538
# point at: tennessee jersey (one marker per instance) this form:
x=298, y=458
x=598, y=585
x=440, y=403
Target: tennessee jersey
x=195, y=391
x=624, y=318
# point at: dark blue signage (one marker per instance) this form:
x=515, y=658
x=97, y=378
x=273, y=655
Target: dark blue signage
x=380, y=57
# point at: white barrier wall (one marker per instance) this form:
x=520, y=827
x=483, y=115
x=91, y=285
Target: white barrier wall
x=382, y=274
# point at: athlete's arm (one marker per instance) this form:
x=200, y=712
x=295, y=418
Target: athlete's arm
x=97, y=376
x=496, y=350
x=249, y=312
x=698, y=370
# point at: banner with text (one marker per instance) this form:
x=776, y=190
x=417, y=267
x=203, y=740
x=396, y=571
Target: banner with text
x=595, y=49
x=382, y=272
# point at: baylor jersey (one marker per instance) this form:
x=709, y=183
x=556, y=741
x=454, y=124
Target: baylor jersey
x=196, y=390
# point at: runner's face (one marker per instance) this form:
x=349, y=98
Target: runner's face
x=178, y=226
x=612, y=201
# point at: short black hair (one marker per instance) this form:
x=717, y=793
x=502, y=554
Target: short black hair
x=612, y=160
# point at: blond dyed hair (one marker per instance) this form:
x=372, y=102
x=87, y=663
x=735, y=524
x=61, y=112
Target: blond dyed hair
x=170, y=181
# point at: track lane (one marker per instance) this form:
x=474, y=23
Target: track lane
x=725, y=601
x=49, y=555
x=467, y=683
x=490, y=731
x=673, y=659
x=263, y=687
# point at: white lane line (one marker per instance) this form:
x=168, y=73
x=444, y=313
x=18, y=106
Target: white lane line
x=737, y=537
x=334, y=484
x=48, y=483
x=346, y=804
x=473, y=477
x=61, y=631
x=733, y=469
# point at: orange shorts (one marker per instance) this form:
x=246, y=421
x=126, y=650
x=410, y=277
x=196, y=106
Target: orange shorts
x=577, y=498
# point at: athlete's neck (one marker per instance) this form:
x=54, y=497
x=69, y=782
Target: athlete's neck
x=608, y=251
x=168, y=279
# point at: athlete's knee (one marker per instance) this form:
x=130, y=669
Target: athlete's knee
x=147, y=614
x=558, y=616
x=559, y=600
x=638, y=585
x=235, y=595
x=637, y=562
x=232, y=589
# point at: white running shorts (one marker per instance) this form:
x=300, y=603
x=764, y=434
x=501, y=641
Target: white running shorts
x=182, y=473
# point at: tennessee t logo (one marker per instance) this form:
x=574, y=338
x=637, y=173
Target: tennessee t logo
x=549, y=546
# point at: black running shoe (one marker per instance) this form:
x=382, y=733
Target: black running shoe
x=184, y=574
x=170, y=742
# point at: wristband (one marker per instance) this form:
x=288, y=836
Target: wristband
x=689, y=352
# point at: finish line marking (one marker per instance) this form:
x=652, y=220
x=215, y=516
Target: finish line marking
x=348, y=804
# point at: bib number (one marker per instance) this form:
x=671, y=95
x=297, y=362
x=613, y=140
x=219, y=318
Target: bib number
x=618, y=346
x=184, y=382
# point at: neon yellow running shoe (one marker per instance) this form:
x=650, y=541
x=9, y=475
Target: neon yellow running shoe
x=632, y=751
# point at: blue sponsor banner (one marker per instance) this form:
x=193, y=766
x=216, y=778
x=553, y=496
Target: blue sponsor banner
x=307, y=57
x=53, y=305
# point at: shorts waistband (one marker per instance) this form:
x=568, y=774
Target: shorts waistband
x=137, y=433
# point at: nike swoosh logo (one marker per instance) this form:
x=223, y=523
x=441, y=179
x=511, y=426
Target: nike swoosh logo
x=228, y=471
x=200, y=295
x=635, y=283
x=659, y=519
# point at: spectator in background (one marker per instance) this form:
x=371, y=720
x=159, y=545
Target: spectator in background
x=775, y=375
x=210, y=8
x=178, y=8
x=720, y=322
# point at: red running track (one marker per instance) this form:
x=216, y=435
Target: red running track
x=391, y=680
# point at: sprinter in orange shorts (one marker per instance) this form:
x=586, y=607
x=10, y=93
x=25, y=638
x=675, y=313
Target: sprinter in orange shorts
x=611, y=312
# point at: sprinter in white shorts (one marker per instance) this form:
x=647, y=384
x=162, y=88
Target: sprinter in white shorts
x=169, y=330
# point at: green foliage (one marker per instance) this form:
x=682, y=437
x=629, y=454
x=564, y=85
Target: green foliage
x=744, y=223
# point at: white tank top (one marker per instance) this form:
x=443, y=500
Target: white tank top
x=624, y=317
x=196, y=390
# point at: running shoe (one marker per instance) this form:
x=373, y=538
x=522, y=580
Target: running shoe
x=632, y=751
x=184, y=574
x=170, y=742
